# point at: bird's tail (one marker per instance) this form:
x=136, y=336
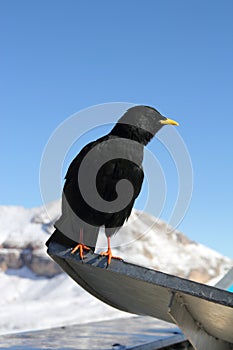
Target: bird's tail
x=60, y=238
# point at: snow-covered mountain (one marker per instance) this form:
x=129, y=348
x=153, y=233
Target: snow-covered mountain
x=31, y=300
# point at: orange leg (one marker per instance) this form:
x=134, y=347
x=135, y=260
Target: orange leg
x=80, y=246
x=108, y=253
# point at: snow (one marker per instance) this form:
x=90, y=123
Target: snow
x=29, y=302
x=17, y=228
x=162, y=248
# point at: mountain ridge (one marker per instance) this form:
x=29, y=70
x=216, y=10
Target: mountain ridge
x=144, y=240
x=35, y=294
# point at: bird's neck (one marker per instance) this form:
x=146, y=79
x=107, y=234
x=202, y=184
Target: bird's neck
x=131, y=132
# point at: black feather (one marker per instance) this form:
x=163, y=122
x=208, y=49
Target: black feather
x=122, y=149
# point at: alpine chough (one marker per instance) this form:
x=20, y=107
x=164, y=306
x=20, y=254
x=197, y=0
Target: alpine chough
x=104, y=179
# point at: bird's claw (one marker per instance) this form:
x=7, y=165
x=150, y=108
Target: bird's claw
x=109, y=255
x=81, y=247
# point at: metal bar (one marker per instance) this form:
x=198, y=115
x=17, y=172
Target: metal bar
x=227, y=281
x=138, y=290
x=194, y=331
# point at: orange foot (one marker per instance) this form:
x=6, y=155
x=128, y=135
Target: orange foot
x=108, y=253
x=81, y=247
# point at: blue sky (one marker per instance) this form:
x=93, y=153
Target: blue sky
x=59, y=57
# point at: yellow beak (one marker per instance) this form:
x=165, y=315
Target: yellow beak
x=169, y=122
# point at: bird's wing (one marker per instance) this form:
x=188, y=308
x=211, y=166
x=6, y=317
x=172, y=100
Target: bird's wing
x=75, y=164
x=125, y=164
x=107, y=162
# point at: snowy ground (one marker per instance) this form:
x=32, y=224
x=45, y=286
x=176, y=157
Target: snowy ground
x=29, y=303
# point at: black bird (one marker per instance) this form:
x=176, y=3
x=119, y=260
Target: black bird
x=94, y=194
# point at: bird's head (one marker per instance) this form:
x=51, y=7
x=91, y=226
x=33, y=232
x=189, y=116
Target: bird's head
x=141, y=123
